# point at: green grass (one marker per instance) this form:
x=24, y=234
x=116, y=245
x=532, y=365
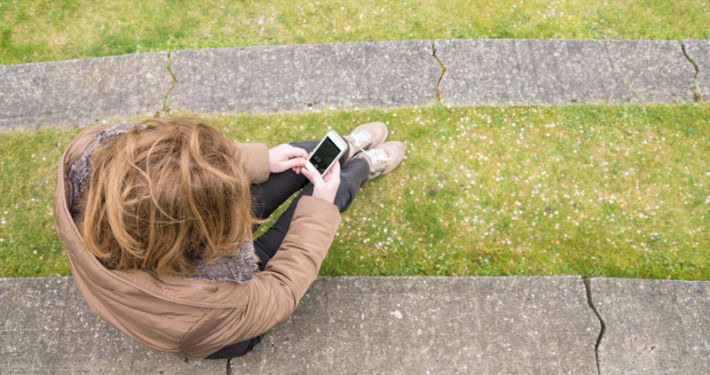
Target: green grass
x=618, y=191
x=41, y=30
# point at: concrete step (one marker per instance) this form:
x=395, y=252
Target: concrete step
x=303, y=78
x=396, y=325
x=653, y=326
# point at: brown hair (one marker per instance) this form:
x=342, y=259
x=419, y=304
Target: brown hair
x=165, y=197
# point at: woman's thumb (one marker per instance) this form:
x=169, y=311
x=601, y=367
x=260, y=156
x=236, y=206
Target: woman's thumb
x=315, y=178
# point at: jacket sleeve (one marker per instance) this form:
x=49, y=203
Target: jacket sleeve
x=255, y=158
x=273, y=295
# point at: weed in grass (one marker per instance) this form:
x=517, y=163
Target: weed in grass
x=37, y=30
x=618, y=191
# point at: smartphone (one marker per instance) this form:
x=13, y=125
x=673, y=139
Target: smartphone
x=329, y=150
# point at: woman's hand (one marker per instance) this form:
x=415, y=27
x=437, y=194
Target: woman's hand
x=283, y=157
x=325, y=187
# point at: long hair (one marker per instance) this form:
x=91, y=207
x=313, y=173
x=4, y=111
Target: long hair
x=165, y=197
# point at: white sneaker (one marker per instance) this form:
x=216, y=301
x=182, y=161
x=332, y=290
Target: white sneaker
x=366, y=136
x=384, y=158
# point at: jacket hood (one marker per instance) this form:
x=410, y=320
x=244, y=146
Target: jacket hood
x=193, y=318
x=239, y=268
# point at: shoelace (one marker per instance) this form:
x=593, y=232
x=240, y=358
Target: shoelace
x=376, y=156
x=360, y=137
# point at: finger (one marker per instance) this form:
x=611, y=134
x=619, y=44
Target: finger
x=315, y=178
x=334, y=171
x=291, y=163
x=297, y=152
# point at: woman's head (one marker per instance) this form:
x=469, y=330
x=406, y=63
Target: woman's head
x=166, y=196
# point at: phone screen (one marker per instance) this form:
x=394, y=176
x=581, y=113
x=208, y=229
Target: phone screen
x=325, y=155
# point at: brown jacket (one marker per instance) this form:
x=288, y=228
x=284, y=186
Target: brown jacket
x=193, y=319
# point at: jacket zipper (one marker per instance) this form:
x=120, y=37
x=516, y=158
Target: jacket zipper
x=193, y=286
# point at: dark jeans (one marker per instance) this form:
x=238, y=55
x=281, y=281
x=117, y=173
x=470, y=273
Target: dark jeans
x=269, y=195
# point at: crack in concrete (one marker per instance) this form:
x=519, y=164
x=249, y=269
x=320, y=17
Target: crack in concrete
x=697, y=97
x=229, y=368
x=588, y=287
x=166, y=109
x=443, y=70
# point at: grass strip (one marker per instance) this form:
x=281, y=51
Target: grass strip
x=39, y=30
x=617, y=191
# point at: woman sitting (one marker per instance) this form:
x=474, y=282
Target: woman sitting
x=157, y=219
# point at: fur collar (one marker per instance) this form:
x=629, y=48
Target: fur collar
x=240, y=267
x=80, y=170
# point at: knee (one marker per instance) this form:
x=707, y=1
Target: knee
x=306, y=145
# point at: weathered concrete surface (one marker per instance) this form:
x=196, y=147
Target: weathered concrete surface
x=497, y=325
x=76, y=92
x=653, y=326
x=305, y=77
x=699, y=52
x=655, y=71
x=563, y=72
x=300, y=78
x=45, y=327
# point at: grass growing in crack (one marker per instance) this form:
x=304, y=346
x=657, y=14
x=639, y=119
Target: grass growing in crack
x=618, y=191
x=37, y=30
x=696, y=90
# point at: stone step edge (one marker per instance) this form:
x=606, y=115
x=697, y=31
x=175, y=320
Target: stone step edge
x=74, y=93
